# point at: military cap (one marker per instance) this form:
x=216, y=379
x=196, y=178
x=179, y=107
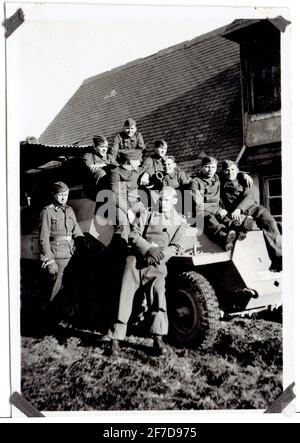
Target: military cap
x=99, y=139
x=59, y=187
x=160, y=143
x=130, y=154
x=130, y=122
x=208, y=160
x=227, y=163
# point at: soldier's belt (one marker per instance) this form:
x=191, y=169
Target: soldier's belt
x=61, y=238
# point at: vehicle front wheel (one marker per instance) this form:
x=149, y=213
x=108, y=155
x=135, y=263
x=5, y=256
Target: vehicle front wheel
x=193, y=311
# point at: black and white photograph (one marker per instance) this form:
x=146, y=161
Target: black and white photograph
x=149, y=247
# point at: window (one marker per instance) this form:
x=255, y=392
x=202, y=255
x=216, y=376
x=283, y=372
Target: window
x=262, y=77
x=273, y=196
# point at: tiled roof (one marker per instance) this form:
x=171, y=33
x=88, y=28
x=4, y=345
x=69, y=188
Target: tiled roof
x=188, y=94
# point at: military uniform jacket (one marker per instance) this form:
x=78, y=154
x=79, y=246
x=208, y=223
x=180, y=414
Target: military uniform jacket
x=179, y=179
x=58, y=228
x=123, y=141
x=158, y=229
x=92, y=158
x=236, y=194
x=206, y=193
x=124, y=184
x=153, y=164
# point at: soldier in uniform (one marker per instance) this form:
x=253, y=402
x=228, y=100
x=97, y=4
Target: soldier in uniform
x=154, y=165
x=238, y=200
x=206, y=198
x=154, y=238
x=129, y=138
x=97, y=163
x=58, y=230
x=174, y=175
x=123, y=182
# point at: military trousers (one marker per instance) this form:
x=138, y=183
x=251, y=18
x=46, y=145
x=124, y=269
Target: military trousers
x=133, y=278
x=212, y=224
x=58, y=279
x=267, y=223
x=122, y=226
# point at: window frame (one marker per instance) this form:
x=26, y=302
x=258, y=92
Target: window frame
x=266, y=194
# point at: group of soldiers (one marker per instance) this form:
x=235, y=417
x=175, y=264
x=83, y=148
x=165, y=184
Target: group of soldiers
x=224, y=204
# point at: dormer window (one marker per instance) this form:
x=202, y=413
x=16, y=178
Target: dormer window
x=262, y=77
x=259, y=42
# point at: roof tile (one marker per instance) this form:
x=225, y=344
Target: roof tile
x=188, y=94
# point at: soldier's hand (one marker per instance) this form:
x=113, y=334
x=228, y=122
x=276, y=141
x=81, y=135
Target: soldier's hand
x=236, y=215
x=144, y=180
x=222, y=212
x=248, y=180
x=52, y=268
x=155, y=253
x=150, y=260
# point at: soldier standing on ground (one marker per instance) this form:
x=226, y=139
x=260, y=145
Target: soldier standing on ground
x=58, y=230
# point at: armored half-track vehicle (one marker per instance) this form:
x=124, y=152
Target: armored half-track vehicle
x=204, y=283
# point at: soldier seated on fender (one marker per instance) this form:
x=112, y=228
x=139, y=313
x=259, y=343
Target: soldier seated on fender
x=239, y=201
x=154, y=238
x=58, y=230
x=218, y=226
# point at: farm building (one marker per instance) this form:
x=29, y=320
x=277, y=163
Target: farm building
x=217, y=94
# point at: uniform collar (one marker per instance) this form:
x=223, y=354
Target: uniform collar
x=209, y=180
x=128, y=136
x=57, y=207
x=173, y=174
x=98, y=155
x=170, y=215
x=125, y=172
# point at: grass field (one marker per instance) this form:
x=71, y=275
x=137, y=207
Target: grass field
x=243, y=370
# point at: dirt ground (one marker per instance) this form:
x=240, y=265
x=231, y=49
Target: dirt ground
x=70, y=372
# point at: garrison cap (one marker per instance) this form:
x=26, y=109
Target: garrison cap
x=99, y=139
x=208, y=160
x=227, y=163
x=59, y=187
x=130, y=154
x=130, y=122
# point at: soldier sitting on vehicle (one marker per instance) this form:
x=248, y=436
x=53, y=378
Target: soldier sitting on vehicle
x=154, y=238
x=206, y=199
x=154, y=166
x=239, y=201
x=129, y=138
x=58, y=230
x=174, y=175
x=97, y=163
x=123, y=181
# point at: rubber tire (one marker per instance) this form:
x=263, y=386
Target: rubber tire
x=204, y=313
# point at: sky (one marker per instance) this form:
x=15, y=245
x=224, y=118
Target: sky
x=59, y=45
